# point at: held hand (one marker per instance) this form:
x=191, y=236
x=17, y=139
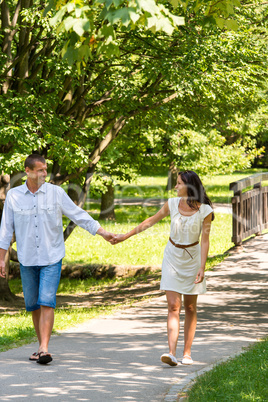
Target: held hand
x=118, y=238
x=200, y=276
x=2, y=269
x=108, y=236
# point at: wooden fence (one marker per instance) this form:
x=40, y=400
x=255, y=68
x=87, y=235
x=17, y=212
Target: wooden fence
x=249, y=207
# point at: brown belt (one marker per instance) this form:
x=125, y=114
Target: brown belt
x=184, y=246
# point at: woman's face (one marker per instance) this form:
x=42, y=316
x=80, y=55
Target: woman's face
x=181, y=188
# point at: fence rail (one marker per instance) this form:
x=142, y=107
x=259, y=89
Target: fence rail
x=249, y=207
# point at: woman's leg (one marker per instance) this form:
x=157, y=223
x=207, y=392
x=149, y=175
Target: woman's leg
x=173, y=319
x=190, y=302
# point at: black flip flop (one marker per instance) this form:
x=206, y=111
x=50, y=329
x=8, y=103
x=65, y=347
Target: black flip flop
x=44, y=358
x=36, y=356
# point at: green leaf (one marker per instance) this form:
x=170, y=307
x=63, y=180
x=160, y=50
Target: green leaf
x=50, y=5
x=81, y=25
x=83, y=52
x=134, y=16
x=107, y=3
x=175, y=3
x=232, y=25
x=107, y=31
x=149, y=6
x=118, y=2
x=178, y=20
x=69, y=23
x=120, y=15
x=58, y=16
x=70, y=55
x=220, y=22
x=165, y=25
x=70, y=7
x=151, y=22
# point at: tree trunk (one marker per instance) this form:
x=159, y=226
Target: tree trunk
x=172, y=177
x=107, y=204
x=5, y=292
x=73, y=192
x=81, y=200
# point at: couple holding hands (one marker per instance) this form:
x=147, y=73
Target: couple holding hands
x=34, y=212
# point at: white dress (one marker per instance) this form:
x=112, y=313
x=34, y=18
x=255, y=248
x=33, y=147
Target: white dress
x=180, y=267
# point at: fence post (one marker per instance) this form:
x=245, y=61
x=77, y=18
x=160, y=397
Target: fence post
x=258, y=186
x=237, y=213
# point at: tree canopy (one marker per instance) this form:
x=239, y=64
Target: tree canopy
x=96, y=24
x=186, y=92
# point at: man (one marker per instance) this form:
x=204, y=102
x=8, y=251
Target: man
x=34, y=211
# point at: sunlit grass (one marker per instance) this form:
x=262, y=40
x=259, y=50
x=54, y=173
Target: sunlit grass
x=217, y=187
x=147, y=248
x=16, y=330
x=243, y=378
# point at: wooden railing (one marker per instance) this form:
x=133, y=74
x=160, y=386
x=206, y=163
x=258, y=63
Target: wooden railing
x=249, y=208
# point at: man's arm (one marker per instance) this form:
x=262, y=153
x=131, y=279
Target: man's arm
x=6, y=233
x=2, y=263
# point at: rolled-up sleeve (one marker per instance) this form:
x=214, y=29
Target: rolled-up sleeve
x=7, y=225
x=78, y=215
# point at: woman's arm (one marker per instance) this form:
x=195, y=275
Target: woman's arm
x=146, y=224
x=204, y=248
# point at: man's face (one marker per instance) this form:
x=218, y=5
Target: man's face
x=38, y=174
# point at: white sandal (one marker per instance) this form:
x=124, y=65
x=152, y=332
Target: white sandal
x=187, y=360
x=169, y=359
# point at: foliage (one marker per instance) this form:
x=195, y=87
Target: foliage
x=97, y=27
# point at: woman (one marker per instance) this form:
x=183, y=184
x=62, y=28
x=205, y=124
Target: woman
x=183, y=267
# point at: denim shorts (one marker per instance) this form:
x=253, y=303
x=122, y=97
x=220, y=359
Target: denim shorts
x=40, y=284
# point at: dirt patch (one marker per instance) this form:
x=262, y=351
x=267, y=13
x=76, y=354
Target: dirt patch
x=113, y=294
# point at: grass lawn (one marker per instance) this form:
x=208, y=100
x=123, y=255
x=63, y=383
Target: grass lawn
x=243, y=378
x=145, y=249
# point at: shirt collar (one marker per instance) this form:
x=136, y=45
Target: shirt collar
x=43, y=188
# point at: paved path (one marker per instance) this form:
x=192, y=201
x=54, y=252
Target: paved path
x=117, y=358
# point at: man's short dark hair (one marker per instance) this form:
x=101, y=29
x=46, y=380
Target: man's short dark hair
x=31, y=160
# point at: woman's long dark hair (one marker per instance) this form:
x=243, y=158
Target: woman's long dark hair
x=195, y=189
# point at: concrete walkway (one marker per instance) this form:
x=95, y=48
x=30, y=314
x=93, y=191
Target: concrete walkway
x=117, y=358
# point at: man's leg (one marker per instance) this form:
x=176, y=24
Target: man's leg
x=30, y=284
x=36, y=320
x=46, y=322
x=48, y=285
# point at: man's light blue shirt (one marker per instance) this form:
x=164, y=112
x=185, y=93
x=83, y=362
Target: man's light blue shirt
x=36, y=219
